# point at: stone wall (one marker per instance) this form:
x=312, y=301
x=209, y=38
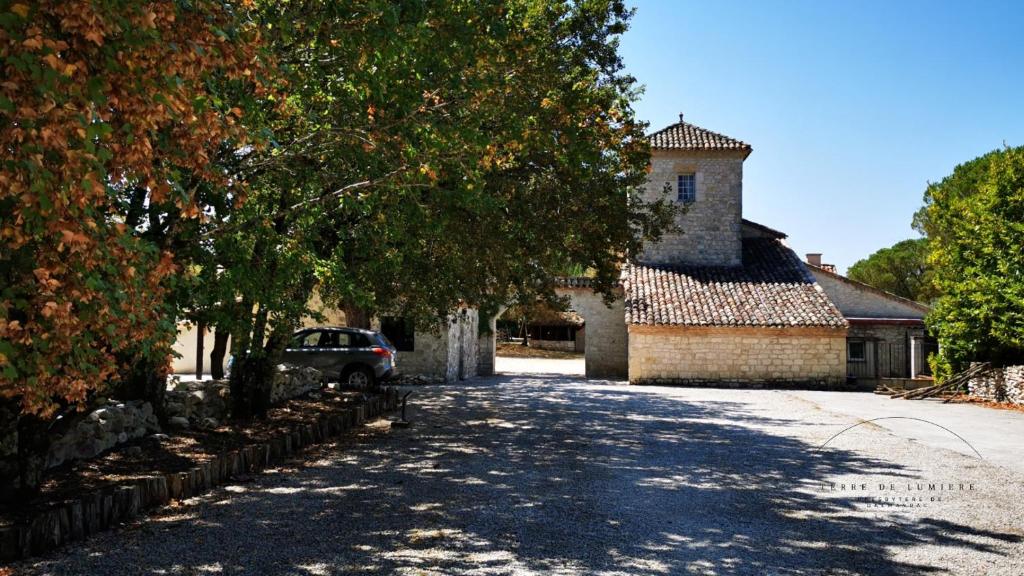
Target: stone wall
x=711, y=229
x=721, y=356
x=202, y=404
x=43, y=529
x=429, y=356
x=487, y=347
x=104, y=428
x=887, y=351
x=188, y=404
x=999, y=385
x=439, y=353
x=856, y=300
x=463, y=341
x=606, y=343
x=558, y=345
x=81, y=436
x=205, y=404
x=890, y=333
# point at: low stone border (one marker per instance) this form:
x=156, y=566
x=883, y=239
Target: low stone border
x=92, y=513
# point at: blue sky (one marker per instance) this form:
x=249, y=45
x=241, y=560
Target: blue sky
x=851, y=107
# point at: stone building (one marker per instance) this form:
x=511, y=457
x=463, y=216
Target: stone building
x=886, y=337
x=725, y=302
x=447, y=351
x=545, y=328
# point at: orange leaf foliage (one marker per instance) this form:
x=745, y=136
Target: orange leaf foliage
x=96, y=98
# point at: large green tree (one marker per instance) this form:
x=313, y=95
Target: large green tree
x=428, y=155
x=974, y=219
x=902, y=269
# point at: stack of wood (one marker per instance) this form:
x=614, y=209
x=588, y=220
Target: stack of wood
x=947, y=390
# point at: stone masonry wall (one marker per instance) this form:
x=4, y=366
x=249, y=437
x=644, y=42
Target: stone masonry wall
x=856, y=301
x=188, y=404
x=463, y=339
x=806, y=357
x=1000, y=385
x=558, y=345
x=487, y=347
x=104, y=428
x=79, y=437
x=205, y=404
x=711, y=227
x=429, y=356
x=437, y=352
x=606, y=348
x=888, y=333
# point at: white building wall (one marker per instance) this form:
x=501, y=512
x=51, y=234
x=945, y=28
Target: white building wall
x=857, y=301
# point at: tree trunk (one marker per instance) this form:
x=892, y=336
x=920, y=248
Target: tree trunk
x=251, y=379
x=33, y=443
x=220, y=348
x=10, y=469
x=200, y=336
x=143, y=380
x=357, y=317
x=252, y=373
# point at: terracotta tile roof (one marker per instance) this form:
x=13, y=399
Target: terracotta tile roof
x=686, y=136
x=764, y=229
x=772, y=288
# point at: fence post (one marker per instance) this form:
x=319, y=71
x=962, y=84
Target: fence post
x=913, y=356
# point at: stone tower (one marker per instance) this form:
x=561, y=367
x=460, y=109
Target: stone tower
x=703, y=170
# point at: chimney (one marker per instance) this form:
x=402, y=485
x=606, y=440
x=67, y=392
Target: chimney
x=680, y=117
x=814, y=259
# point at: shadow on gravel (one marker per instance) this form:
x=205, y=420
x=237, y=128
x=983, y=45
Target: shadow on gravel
x=545, y=477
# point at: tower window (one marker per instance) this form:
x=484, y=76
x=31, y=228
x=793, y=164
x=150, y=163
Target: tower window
x=687, y=188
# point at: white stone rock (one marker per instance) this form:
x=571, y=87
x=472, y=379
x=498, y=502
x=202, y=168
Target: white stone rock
x=178, y=422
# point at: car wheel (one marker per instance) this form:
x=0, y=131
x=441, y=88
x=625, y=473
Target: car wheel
x=358, y=377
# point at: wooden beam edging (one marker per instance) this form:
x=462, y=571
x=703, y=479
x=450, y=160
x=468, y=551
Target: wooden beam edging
x=104, y=508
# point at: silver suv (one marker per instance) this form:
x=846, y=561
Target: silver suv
x=356, y=357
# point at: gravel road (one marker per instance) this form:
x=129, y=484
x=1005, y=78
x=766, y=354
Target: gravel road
x=547, y=475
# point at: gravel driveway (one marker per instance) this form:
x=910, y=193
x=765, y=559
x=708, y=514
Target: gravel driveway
x=535, y=475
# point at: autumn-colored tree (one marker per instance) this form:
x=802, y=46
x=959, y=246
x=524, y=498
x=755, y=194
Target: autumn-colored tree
x=108, y=123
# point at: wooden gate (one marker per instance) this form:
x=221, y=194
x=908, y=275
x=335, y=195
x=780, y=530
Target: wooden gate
x=871, y=359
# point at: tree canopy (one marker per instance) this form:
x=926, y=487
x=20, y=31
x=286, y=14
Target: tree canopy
x=974, y=219
x=108, y=126
x=431, y=155
x=902, y=269
x=218, y=161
